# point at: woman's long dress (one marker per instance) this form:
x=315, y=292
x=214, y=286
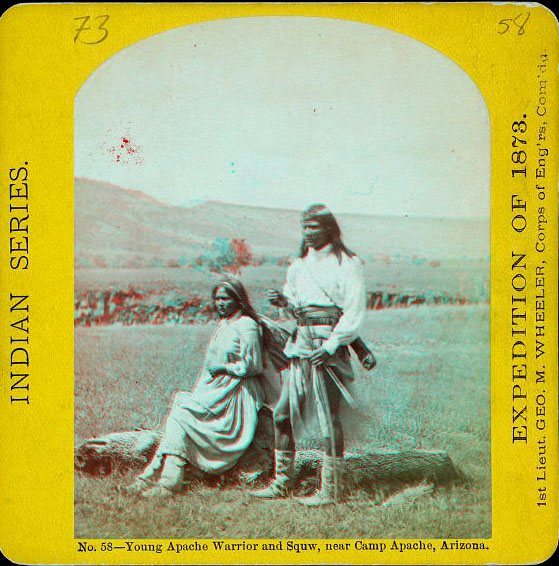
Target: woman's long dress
x=212, y=426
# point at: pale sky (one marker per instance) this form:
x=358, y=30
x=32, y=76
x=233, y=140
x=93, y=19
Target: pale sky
x=284, y=112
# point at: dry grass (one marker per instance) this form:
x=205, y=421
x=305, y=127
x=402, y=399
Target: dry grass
x=430, y=390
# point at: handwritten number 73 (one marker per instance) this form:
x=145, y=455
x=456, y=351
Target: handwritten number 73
x=94, y=33
x=519, y=21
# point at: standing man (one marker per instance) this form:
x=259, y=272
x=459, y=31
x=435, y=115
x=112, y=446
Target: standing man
x=325, y=292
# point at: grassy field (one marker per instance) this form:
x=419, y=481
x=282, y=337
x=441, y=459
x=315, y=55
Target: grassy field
x=430, y=390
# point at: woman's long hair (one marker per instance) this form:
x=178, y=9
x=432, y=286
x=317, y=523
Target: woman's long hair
x=321, y=214
x=272, y=336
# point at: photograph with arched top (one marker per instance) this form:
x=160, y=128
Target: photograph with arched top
x=282, y=287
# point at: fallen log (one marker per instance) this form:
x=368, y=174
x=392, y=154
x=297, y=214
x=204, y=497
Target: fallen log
x=133, y=449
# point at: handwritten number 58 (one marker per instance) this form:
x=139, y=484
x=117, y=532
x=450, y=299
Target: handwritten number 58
x=95, y=33
x=519, y=21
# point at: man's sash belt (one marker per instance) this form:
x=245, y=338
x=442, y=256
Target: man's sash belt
x=313, y=315
x=316, y=316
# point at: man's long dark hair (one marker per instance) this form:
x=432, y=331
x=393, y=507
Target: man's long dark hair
x=321, y=214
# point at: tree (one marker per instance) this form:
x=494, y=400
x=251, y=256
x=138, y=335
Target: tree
x=227, y=255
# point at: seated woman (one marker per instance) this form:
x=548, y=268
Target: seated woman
x=212, y=426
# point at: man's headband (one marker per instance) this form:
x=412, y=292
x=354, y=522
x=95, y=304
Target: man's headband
x=316, y=211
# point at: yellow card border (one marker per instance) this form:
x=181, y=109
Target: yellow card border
x=42, y=68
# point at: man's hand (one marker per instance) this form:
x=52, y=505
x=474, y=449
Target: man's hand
x=319, y=357
x=276, y=298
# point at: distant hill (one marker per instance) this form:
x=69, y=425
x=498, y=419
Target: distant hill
x=116, y=227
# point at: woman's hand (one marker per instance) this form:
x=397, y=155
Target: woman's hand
x=214, y=369
x=319, y=357
x=276, y=298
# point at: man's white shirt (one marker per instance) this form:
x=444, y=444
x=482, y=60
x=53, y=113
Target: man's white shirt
x=320, y=279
